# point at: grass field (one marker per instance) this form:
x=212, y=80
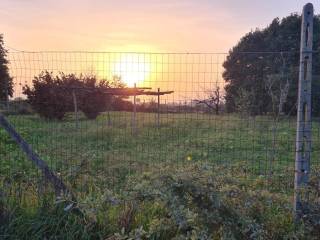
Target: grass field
x=97, y=158
x=118, y=150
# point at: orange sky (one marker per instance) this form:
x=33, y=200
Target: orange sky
x=134, y=26
x=145, y=25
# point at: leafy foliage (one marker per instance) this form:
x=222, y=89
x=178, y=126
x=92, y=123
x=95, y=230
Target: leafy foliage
x=95, y=101
x=6, y=82
x=47, y=96
x=51, y=96
x=268, y=52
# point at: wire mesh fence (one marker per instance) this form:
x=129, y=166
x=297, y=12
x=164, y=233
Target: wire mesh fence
x=153, y=109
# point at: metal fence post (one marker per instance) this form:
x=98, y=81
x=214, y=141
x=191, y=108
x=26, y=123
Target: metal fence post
x=303, y=131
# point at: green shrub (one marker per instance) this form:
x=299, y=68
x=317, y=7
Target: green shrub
x=51, y=96
x=95, y=101
x=17, y=106
x=48, y=96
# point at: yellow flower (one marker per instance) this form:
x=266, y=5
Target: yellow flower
x=189, y=158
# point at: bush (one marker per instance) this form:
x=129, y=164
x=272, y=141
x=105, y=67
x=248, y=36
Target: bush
x=51, y=96
x=17, y=107
x=95, y=101
x=121, y=104
x=47, y=96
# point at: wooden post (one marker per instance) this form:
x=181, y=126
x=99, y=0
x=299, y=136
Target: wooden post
x=108, y=115
x=75, y=104
x=303, y=131
x=134, y=113
x=158, y=114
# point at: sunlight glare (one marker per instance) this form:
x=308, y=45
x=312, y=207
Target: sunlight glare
x=132, y=68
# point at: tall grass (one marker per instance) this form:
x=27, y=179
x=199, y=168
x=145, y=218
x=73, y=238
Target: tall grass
x=102, y=164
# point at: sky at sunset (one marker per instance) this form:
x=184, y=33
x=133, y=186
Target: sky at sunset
x=145, y=25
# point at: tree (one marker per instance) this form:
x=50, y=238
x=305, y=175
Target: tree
x=278, y=91
x=214, y=101
x=6, y=82
x=265, y=60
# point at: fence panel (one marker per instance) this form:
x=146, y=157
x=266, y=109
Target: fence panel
x=216, y=109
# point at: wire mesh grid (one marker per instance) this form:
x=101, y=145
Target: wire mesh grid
x=219, y=110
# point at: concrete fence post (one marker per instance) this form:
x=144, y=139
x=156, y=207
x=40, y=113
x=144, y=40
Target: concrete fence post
x=303, y=131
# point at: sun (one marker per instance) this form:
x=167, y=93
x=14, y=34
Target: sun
x=132, y=68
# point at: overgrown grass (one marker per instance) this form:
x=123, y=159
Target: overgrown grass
x=116, y=172
x=197, y=201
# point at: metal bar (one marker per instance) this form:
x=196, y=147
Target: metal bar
x=59, y=186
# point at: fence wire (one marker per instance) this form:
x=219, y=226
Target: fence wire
x=219, y=109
